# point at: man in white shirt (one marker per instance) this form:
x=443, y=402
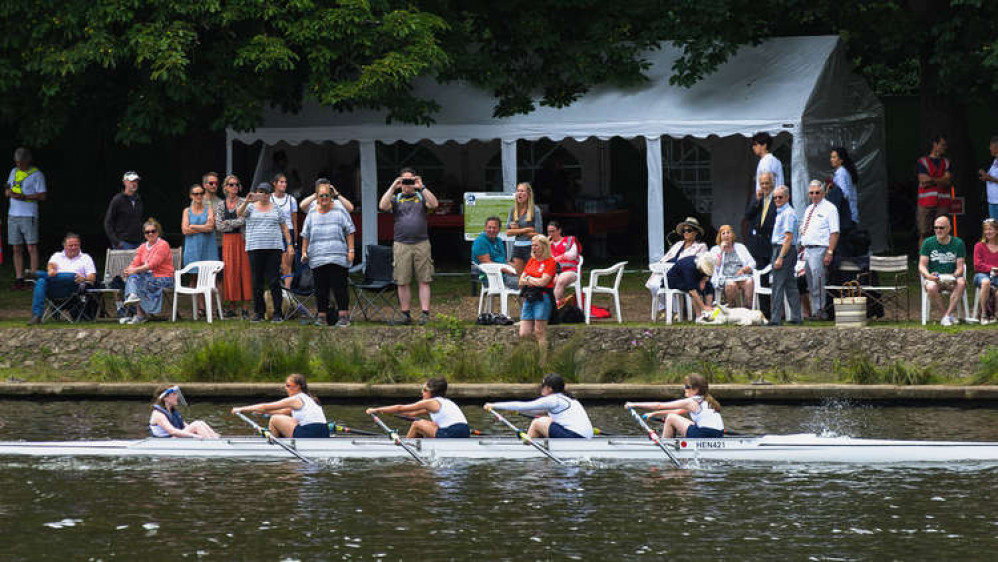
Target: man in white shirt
x=819, y=235
x=990, y=179
x=761, y=143
x=25, y=188
x=784, y=240
x=67, y=270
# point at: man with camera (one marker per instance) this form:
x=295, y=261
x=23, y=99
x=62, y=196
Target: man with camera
x=25, y=188
x=408, y=199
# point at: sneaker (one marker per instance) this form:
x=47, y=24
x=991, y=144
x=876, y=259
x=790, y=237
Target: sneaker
x=35, y=319
x=343, y=322
x=257, y=318
x=139, y=320
x=424, y=318
x=405, y=321
x=276, y=319
x=946, y=321
x=132, y=299
x=319, y=321
x=125, y=320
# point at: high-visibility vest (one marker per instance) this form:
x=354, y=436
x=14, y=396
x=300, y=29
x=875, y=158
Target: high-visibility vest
x=19, y=177
x=933, y=195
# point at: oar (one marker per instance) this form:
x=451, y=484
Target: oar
x=654, y=437
x=272, y=439
x=336, y=428
x=414, y=418
x=396, y=439
x=526, y=438
x=596, y=430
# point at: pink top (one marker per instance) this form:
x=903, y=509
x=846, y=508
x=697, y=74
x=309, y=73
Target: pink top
x=157, y=257
x=984, y=259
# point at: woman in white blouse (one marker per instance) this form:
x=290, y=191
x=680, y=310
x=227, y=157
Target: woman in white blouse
x=690, y=245
x=733, y=273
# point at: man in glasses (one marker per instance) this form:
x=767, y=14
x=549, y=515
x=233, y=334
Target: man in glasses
x=25, y=188
x=759, y=219
x=784, y=242
x=819, y=235
x=941, y=264
x=123, y=220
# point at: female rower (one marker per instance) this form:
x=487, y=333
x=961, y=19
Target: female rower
x=446, y=419
x=565, y=418
x=298, y=416
x=705, y=412
x=166, y=420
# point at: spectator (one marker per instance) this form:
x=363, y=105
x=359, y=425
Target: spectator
x=489, y=248
x=941, y=264
x=197, y=224
x=692, y=274
x=759, y=218
x=209, y=182
x=123, y=220
x=67, y=271
x=762, y=143
x=934, y=179
x=339, y=200
x=523, y=224
x=819, y=235
x=328, y=248
x=288, y=207
x=784, y=241
x=733, y=272
x=266, y=235
x=150, y=272
x=691, y=231
x=236, y=275
x=536, y=289
x=990, y=179
x=25, y=188
x=408, y=199
x=566, y=253
x=846, y=177
x=986, y=268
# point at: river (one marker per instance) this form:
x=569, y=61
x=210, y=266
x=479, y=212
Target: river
x=128, y=509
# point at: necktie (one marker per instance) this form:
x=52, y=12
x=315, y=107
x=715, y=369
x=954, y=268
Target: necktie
x=765, y=209
x=807, y=220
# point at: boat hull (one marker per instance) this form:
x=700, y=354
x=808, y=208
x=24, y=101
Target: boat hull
x=767, y=449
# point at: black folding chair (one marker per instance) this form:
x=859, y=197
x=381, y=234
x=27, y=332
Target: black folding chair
x=75, y=307
x=300, y=301
x=378, y=291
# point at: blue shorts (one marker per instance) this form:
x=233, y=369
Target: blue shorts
x=980, y=277
x=557, y=431
x=311, y=431
x=540, y=310
x=694, y=432
x=456, y=431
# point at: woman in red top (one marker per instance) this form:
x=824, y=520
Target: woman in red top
x=536, y=290
x=150, y=272
x=986, y=265
x=566, y=253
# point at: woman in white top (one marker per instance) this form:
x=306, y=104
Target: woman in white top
x=733, y=272
x=446, y=421
x=298, y=416
x=339, y=200
x=565, y=417
x=166, y=421
x=690, y=245
x=288, y=207
x=705, y=412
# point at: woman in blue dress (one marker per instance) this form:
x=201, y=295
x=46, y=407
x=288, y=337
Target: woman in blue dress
x=198, y=227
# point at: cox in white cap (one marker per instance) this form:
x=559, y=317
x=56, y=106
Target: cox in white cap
x=131, y=176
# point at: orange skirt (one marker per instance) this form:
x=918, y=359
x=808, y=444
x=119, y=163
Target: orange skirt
x=236, y=275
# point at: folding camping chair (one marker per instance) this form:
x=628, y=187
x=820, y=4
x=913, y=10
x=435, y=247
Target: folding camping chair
x=300, y=299
x=71, y=308
x=377, y=291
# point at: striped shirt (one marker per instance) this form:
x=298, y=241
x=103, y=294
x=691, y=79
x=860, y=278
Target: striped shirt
x=327, y=237
x=263, y=229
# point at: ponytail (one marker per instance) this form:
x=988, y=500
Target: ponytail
x=699, y=383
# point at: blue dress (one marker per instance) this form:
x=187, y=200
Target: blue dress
x=201, y=246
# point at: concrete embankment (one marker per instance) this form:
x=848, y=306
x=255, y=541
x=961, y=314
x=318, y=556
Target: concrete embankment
x=797, y=393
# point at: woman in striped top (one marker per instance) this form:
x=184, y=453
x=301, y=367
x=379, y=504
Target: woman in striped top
x=327, y=247
x=266, y=235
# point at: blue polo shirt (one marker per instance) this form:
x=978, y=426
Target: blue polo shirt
x=786, y=221
x=496, y=249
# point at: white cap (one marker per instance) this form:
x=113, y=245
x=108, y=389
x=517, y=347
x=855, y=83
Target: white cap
x=131, y=176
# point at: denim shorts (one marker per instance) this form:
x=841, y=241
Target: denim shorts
x=539, y=310
x=980, y=277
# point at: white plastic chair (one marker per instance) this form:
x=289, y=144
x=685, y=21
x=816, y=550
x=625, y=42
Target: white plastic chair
x=495, y=286
x=595, y=288
x=670, y=295
x=927, y=306
x=206, y=273
x=760, y=290
x=578, y=283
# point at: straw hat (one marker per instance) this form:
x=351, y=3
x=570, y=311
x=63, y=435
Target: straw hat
x=691, y=222
x=706, y=263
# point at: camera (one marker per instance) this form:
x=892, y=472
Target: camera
x=408, y=181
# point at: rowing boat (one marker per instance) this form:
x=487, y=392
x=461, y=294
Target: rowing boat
x=802, y=448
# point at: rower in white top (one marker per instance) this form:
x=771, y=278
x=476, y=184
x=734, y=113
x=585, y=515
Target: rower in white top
x=704, y=411
x=565, y=417
x=446, y=421
x=298, y=416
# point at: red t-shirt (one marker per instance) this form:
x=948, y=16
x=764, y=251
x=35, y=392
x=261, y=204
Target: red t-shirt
x=538, y=269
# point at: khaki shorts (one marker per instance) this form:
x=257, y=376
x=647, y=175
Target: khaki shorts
x=413, y=260
x=925, y=218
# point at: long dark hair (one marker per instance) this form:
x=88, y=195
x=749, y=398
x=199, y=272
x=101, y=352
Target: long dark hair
x=555, y=382
x=699, y=384
x=847, y=163
x=299, y=379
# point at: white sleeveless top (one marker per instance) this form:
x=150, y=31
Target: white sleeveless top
x=706, y=416
x=310, y=412
x=448, y=414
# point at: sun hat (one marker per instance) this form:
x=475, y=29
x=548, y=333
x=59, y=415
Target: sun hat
x=691, y=222
x=705, y=263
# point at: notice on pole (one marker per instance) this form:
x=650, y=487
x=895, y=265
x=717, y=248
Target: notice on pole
x=479, y=206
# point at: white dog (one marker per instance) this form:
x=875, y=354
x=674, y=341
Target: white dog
x=721, y=314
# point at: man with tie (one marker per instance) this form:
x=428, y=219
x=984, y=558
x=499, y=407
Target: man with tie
x=819, y=235
x=759, y=218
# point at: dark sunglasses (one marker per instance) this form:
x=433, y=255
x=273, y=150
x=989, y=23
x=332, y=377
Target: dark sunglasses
x=211, y=182
x=232, y=183
x=149, y=231
x=325, y=196
x=197, y=193
x=687, y=230
x=813, y=192
x=938, y=228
